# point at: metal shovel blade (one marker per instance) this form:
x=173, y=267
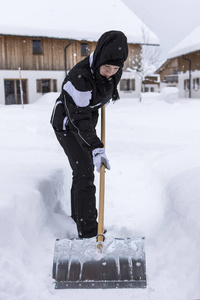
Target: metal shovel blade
x=78, y=264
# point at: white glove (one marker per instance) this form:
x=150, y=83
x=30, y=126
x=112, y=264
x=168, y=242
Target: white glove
x=99, y=158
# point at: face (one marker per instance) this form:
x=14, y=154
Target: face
x=108, y=70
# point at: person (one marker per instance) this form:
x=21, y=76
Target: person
x=89, y=85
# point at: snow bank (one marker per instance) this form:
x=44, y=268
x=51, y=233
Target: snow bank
x=152, y=190
x=169, y=94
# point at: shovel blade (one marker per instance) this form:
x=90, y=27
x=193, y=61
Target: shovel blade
x=78, y=264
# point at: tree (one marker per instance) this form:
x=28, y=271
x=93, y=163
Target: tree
x=146, y=62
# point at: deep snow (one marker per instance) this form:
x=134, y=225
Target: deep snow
x=152, y=189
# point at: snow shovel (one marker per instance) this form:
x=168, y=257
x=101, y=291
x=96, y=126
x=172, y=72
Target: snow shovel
x=105, y=263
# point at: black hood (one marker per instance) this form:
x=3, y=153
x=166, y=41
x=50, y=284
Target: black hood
x=112, y=48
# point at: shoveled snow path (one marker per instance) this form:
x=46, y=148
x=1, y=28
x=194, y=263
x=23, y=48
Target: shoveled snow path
x=152, y=190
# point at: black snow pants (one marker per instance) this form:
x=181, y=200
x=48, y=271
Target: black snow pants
x=83, y=200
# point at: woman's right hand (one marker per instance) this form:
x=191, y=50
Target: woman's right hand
x=99, y=158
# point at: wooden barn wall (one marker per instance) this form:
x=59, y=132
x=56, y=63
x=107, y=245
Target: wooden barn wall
x=184, y=64
x=17, y=51
x=168, y=69
x=134, y=56
x=150, y=80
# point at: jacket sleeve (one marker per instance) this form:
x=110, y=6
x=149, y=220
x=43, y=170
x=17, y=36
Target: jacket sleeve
x=76, y=98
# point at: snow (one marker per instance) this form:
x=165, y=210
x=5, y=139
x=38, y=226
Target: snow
x=170, y=94
x=152, y=190
x=189, y=44
x=66, y=20
x=86, y=250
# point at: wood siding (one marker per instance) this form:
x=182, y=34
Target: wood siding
x=169, y=68
x=134, y=57
x=180, y=65
x=183, y=65
x=150, y=80
x=17, y=51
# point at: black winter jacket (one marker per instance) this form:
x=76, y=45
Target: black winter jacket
x=84, y=90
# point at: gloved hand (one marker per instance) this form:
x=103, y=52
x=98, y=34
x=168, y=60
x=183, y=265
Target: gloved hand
x=99, y=158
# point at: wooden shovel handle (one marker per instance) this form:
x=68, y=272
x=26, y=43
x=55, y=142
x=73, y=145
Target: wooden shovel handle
x=100, y=237
x=103, y=125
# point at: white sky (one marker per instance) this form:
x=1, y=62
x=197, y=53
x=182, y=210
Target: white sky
x=170, y=20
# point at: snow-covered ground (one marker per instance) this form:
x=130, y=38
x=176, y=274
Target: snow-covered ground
x=152, y=190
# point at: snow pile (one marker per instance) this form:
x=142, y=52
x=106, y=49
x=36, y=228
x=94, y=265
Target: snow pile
x=152, y=190
x=169, y=94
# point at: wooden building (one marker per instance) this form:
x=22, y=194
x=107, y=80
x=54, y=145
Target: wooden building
x=168, y=72
x=151, y=84
x=182, y=69
x=42, y=57
x=34, y=53
x=50, y=55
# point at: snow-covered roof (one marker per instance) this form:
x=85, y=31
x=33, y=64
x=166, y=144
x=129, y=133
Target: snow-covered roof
x=189, y=44
x=74, y=19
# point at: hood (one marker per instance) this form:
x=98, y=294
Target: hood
x=111, y=48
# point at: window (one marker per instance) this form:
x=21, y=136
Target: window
x=54, y=85
x=13, y=91
x=46, y=85
x=171, y=78
x=84, y=49
x=186, y=84
x=133, y=84
x=127, y=85
x=37, y=46
x=196, y=84
x=152, y=89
